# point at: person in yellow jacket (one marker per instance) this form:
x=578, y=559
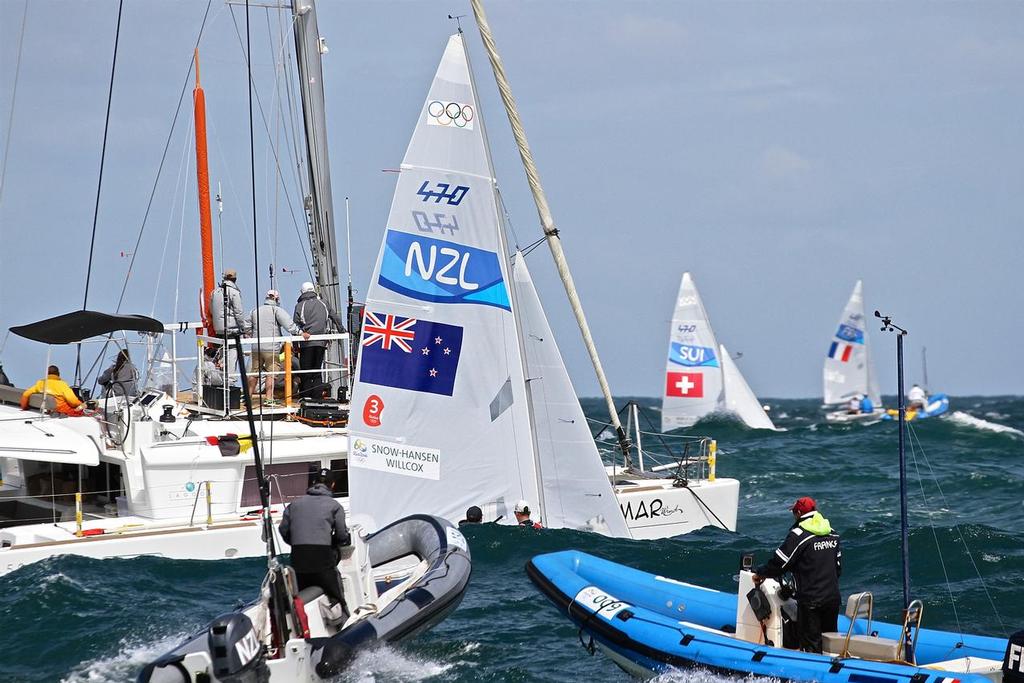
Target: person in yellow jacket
x=67, y=402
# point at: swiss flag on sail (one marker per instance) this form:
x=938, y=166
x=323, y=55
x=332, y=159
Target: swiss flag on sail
x=684, y=384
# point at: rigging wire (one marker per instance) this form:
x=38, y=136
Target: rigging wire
x=266, y=127
x=163, y=157
x=959, y=531
x=935, y=534
x=260, y=379
x=14, y=95
x=99, y=183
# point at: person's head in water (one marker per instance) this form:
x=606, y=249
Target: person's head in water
x=522, y=512
x=474, y=515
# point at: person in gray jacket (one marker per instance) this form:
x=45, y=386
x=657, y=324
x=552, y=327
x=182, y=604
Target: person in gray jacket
x=268, y=321
x=313, y=314
x=120, y=378
x=228, y=317
x=314, y=526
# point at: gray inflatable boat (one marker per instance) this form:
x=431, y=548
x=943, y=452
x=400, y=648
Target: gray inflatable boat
x=397, y=582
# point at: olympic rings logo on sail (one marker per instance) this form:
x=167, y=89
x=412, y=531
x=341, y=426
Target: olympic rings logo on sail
x=442, y=113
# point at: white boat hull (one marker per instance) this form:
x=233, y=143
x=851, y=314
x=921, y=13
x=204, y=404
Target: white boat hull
x=656, y=508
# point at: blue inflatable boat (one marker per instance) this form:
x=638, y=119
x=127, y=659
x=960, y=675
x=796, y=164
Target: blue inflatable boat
x=649, y=624
x=937, y=405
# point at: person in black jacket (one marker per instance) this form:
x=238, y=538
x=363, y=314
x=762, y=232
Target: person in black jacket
x=314, y=526
x=812, y=553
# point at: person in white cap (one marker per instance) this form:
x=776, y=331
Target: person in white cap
x=268, y=321
x=313, y=315
x=522, y=512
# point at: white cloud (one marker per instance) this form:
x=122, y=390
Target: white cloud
x=778, y=162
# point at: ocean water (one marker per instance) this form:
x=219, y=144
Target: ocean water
x=75, y=619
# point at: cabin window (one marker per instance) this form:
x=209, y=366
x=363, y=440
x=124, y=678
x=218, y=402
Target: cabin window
x=288, y=481
x=339, y=477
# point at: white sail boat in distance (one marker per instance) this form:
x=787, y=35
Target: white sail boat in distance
x=461, y=397
x=848, y=373
x=700, y=376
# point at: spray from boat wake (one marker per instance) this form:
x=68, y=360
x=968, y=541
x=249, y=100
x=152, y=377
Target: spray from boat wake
x=123, y=665
x=967, y=420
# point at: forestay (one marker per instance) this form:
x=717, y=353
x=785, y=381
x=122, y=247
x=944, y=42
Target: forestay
x=693, y=378
x=848, y=370
x=439, y=415
x=576, y=491
x=739, y=398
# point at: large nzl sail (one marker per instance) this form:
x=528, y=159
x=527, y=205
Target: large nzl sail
x=693, y=375
x=439, y=417
x=576, y=492
x=848, y=370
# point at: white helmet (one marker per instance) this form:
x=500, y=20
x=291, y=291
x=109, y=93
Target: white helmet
x=307, y=287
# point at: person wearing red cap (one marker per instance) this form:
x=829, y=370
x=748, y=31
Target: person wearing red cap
x=813, y=554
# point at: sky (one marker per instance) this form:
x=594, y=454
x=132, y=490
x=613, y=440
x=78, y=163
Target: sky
x=779, y=151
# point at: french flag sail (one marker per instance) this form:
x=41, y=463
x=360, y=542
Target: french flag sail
x=848, y=370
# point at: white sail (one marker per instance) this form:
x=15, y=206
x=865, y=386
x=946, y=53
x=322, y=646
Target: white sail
x=848, y=370
x=739, y=398
x=693, y=375
x=576, y=490
x=439, y=416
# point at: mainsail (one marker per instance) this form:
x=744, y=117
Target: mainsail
x=693, y=376
x=442, y=416
x=739, y=398
x=848, y=370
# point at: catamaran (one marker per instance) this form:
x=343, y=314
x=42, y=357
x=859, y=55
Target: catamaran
x=701, y=377
x=167, y=473
x=848, y=373
x=460, y=396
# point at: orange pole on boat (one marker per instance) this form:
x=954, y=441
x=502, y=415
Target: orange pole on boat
x=203, y=180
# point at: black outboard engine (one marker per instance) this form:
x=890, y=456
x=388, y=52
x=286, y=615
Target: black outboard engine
x=1013, y=660
x=238, y=655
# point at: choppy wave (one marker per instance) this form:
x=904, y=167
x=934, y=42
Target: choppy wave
x=968, y=420
x=112, y=616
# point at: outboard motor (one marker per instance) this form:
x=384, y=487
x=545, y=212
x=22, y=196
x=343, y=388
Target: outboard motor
x=238, y=655
x=1013, y=660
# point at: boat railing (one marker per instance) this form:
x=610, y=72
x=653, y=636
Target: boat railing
x=680, y=457
x=200, y=398
x=83, y=504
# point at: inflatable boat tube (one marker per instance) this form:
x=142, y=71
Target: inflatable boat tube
x=650, y=624
x=411, y=541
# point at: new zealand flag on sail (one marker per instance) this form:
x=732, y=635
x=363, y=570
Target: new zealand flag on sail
x=410, y=353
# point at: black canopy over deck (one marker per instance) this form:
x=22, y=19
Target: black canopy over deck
x=78, y=325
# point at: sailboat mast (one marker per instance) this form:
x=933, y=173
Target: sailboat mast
x=904, y=533
x=547, y=221
x=203, y=183
x=924, y=366
x=319, y=203
x=889, y=326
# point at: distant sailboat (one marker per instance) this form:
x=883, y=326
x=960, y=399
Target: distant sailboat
x=700, y=377
x=848, y=371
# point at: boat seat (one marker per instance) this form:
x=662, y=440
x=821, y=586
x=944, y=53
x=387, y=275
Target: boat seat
x=860, y=605
x=862, y=647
